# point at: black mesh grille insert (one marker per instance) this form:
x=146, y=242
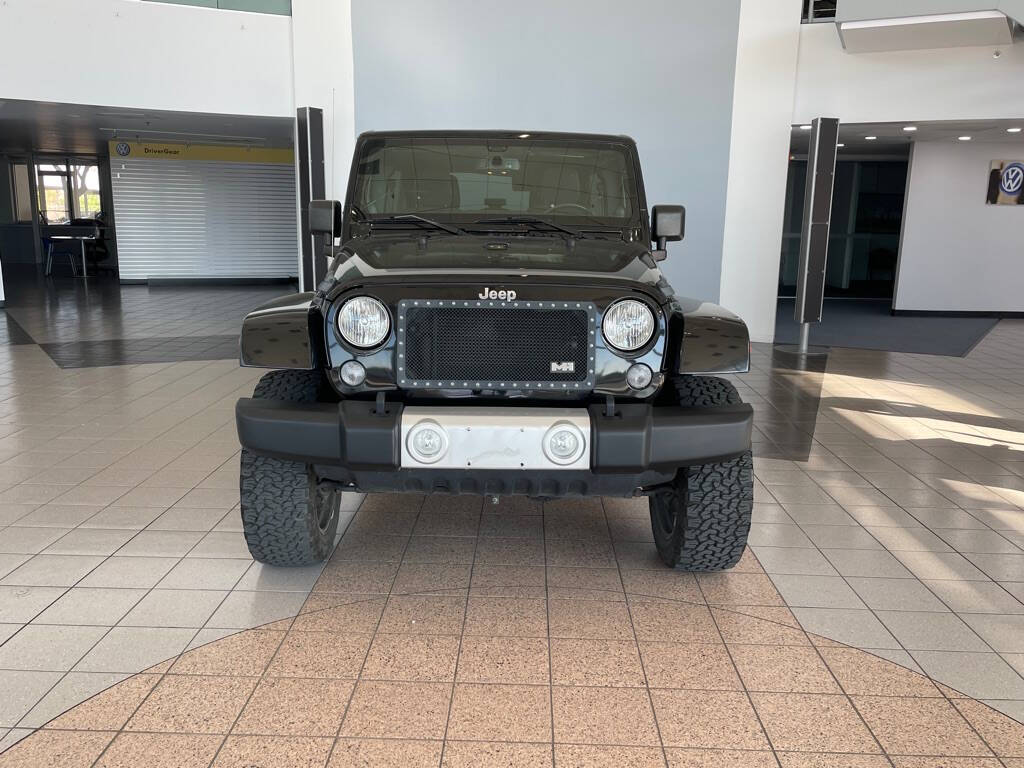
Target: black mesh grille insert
x=511, y=344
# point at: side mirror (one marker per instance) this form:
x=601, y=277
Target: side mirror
x=668, y=222
x=325, y=218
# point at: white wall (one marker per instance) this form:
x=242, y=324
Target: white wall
x=959, y=254
x=766, y=63
x=658, y=70
x=126, y=53
x=322, y=56
x=937, y=84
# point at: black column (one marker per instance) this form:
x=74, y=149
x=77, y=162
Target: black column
x=821, y=169
x=310, y=160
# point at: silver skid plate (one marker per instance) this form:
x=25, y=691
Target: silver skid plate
x=497, y=438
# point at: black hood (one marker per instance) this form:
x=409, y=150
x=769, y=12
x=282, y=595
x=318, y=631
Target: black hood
x=461, y=258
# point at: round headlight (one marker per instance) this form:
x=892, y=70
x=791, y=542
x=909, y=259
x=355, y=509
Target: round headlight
x=363, y=322
x=628, y=325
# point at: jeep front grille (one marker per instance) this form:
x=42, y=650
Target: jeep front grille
x=481, y=344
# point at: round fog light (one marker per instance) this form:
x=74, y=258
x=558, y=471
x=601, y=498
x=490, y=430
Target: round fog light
x=564, y=443
x=639, y=376
x=353, y=373
x=427, y=442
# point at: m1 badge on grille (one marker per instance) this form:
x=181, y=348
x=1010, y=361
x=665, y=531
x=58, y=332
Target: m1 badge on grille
x=567, y=367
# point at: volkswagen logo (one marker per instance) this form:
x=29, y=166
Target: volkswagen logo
x=1012, y=179
x=123, y=148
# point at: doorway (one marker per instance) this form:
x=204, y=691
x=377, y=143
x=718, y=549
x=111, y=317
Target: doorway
x=864, y=238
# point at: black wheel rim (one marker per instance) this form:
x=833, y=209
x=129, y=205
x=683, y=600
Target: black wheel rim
x=664, y=512
x=327, y=501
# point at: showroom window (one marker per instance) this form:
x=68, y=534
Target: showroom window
x=280, y=7
x=819, y=10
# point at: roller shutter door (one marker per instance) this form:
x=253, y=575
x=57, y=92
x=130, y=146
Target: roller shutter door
x=187, y=218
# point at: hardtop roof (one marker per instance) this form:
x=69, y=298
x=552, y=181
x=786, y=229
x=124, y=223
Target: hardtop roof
x=494, y=134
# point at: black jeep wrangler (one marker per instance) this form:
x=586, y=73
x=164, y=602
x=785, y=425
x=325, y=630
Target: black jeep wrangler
x=493, y=321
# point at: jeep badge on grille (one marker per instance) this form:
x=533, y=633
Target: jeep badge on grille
x=490, y=293
x=567, y=367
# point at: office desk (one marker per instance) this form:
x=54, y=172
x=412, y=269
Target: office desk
x=70, y=233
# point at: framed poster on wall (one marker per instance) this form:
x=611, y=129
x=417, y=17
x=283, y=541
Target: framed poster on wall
x=1006, y=183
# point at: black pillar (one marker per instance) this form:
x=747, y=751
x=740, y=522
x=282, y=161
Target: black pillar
x=310, y=161
x=814, y=232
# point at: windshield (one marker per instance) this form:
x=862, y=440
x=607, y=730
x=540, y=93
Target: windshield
x=466, y=180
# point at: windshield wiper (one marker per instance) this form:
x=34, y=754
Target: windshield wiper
x=529, y=220
x=422, y=221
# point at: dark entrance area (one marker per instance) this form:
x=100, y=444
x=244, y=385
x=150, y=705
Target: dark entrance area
x=867, y=212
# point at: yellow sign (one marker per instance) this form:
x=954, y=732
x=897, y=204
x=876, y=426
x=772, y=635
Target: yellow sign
x=132, y=150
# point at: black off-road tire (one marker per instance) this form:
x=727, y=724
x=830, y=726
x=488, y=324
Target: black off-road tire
x=702, y=521
x=288, y=517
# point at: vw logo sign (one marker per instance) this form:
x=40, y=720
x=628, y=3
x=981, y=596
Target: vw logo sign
x=123, y=148
x=1012, y=179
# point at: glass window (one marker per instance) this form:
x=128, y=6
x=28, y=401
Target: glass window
x=85, y=191
x=67, y=191
x=22, y=192
x=819, y=10
x=281, y=7
x=54, y=201
x=466, y=179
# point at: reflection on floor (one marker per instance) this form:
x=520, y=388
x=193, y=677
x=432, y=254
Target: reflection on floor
x=889, y=518
x=868, y=324
x=84, y=323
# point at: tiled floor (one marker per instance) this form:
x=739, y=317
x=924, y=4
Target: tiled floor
x=889, y=517
x=900, y=528
x=463, y=634
x=96, y=322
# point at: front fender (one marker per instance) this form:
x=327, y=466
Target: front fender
x=277, y=334
x=713, y=340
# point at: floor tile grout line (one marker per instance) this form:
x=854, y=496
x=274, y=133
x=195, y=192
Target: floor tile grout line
x=807, y=752
x=462, y=633
x=639, y=652
x=87, y=652
x=547, y=627
x=170, y=665
x=952, y=703
x=739, y=677
x=263, y=675
x=874, y=613
x=355, y=685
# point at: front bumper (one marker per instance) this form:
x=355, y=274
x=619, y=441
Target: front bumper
x=640, y=445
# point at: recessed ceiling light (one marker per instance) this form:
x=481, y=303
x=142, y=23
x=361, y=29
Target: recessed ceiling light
x=524, y=135
x=840, y=145
x=806, y=127
x=1013, y=130
x=910, y=128
x=870, y=138
x=963, y=138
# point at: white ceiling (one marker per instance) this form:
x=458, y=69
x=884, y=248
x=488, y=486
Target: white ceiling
x=79, y=128
x=893, y=140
